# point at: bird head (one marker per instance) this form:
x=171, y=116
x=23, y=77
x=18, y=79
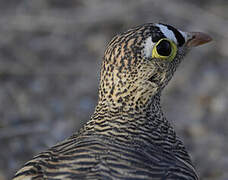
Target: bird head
x=139, y=63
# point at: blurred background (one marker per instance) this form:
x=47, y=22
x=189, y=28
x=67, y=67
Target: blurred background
x=50, y=54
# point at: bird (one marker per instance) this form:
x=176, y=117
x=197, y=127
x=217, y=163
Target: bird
x=127, y=137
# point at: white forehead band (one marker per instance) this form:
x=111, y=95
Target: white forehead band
x=169, y=33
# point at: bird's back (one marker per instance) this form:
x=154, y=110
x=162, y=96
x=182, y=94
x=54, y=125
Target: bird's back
x=90, y=156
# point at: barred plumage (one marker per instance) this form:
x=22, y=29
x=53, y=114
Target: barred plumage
x=128, y=136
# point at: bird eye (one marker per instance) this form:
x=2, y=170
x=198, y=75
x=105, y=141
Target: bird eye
x=164, y=48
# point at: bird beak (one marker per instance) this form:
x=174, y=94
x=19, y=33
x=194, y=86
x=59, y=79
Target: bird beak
x=197, y=38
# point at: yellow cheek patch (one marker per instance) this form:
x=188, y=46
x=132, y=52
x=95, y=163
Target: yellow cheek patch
x=172, y=54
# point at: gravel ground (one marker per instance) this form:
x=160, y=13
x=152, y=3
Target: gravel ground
x=50, y=53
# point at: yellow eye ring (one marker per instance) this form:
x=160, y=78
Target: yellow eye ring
x=164, y=49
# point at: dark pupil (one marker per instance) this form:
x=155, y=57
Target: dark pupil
x=164, y=48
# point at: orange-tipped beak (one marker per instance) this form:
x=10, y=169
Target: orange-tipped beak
x=197, y=38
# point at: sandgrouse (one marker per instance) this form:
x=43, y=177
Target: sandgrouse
x=128, y=136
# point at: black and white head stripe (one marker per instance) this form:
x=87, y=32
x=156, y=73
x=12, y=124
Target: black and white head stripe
x=173, y=34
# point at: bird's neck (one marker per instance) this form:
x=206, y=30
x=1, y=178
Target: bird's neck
x=145, y=128
x=126, y=121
